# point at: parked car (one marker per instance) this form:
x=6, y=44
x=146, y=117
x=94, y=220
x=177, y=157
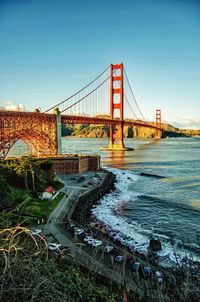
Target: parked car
x=71, y=227
x=159, y=277
x=96, y=243
x=90, y=241
x=79, y=231
x=108, y=249
x=57, y=249
x=81, y=179
x=119, y=259
x=94, y=180
x=87, y=238
x=54, y=246
x=36, y=232
x=130, y=259
x=147, y=272
x=83, y=235
x=39, y=234
x=136, y=267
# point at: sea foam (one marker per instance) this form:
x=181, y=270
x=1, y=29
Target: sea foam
x=109, y=211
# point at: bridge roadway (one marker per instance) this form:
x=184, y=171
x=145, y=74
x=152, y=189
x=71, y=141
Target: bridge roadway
x=75, y=119
x=42, y=131
x=92, y=258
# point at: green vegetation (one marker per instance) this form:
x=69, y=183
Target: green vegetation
x=29, y=173
x=38, y=208
x=21, y=182
x=29, y=273
x=86, y=130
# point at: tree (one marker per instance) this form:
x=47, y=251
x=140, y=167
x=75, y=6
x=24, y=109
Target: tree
x=23, y=167
x=4, y=188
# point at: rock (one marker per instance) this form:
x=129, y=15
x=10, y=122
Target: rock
x=155, y=245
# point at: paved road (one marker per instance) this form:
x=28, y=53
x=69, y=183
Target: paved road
x=72, y=189
x=60, y=211
x=91, y=263
x=65, y=208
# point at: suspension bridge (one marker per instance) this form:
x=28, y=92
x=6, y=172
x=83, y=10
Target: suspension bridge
x=107, y=100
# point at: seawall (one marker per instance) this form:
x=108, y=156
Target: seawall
x=86, y=201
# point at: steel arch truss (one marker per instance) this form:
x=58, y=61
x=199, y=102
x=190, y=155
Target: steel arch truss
x=37, y=130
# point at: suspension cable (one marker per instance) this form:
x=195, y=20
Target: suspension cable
x=78, y=91
x=127, y=99
x=85, y=95
x=133, y=95
x=130, y=107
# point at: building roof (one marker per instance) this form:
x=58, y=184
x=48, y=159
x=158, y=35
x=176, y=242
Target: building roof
x=50, y=189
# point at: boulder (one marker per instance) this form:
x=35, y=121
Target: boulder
x=155, y=245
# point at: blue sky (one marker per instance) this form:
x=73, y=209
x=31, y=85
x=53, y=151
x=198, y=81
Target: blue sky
x=50, y=49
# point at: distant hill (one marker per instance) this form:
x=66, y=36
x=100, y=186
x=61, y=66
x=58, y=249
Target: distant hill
x=93, y=130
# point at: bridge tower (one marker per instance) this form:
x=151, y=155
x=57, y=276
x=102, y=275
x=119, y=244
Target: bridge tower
x=158, y=124
x=58, y=131
x=116, y=103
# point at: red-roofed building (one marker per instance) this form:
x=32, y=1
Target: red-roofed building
x=50, y=189
x=48, y=193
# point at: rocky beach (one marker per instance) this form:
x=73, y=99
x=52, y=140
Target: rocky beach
x=93, y=211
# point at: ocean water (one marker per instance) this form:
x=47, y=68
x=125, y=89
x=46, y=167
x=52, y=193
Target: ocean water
x=142, y=206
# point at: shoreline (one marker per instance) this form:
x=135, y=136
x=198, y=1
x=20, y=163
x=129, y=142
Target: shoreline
x=82, y=211
x=83, y=215
x=94, y=258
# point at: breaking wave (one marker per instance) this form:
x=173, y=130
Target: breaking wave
x=110, y=210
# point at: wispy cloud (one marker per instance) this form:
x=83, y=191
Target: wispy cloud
x=10, y=106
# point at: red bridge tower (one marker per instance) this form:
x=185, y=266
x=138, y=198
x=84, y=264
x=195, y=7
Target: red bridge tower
x=158, y=124
x=116, y=103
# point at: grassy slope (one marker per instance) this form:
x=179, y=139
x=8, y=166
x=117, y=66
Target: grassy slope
x=22, y=204
x=29, y=273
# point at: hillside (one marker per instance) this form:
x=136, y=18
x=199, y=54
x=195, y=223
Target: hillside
x=21, y=182
x=129, y=132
